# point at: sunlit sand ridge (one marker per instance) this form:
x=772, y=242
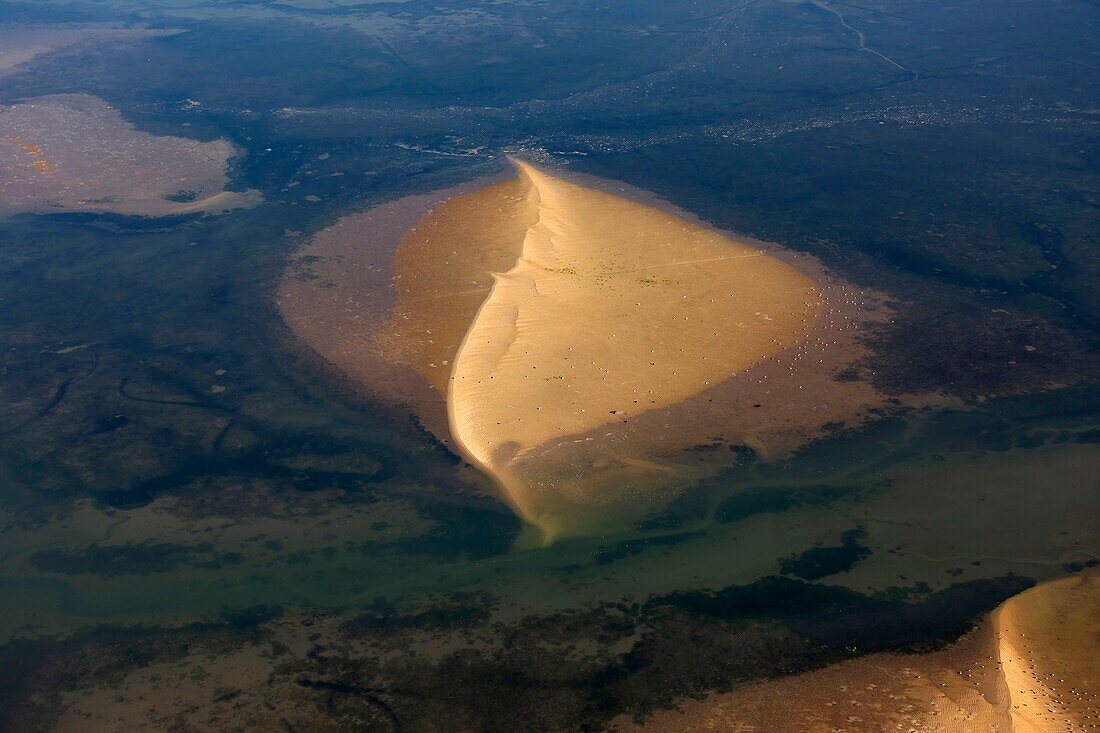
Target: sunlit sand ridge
x=1049, y=649
x=579, y=346
x=1032, y=666
x=613, y=309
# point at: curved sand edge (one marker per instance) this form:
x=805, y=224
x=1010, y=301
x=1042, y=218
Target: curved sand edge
x=1033, y=665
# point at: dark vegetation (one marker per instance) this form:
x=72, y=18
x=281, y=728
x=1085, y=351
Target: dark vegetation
x=821, y=562
x=459, y=611
x=139, y=559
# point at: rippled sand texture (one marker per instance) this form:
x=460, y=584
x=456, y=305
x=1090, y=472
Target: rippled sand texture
x=591, y=353
x=76, y=153
x=1033, y=666
x=613, y=309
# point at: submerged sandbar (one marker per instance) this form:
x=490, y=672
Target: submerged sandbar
x=575, y=344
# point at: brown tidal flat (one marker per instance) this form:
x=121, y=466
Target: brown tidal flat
x=580, y=346
x=75, y=152
x=1032, y=666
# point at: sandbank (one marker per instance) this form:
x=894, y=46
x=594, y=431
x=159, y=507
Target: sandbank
x=1049, y=650
x=613, y=309
x=577, y=345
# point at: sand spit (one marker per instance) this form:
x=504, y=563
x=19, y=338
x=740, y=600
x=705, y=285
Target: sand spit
x=1032, y=666
x=577, y=345
x=76, y=153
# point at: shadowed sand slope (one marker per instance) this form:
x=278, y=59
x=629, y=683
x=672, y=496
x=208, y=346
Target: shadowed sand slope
x=575, y=345
x=1033, y=666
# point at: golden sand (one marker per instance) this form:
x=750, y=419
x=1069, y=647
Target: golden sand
x=1033, y=666
x=443, y=273
x=576, y=345
x=613, y=309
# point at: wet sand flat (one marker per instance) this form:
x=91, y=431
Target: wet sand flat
x=576, y=345
x=75, y=152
